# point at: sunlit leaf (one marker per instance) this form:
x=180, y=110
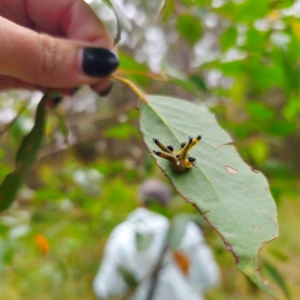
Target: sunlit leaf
x=244, y=12
x=259, y=151
x=232, y=197
x=291, y=109
x=254, y=40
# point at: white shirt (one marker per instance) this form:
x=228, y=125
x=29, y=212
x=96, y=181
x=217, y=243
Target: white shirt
x=122, y=252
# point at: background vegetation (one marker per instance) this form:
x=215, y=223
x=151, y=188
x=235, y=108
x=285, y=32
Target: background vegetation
x=240, y=58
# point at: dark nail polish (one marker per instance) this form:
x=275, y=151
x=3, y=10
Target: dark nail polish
x=107, y=91
x=99, y=62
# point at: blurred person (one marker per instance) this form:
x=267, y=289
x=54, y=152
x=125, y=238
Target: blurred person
x=159, y=273
x=54, y=44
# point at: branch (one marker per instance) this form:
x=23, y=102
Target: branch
x=8, y=125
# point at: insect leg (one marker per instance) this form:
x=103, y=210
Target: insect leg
x=161, y=146
x=195, y=141
x=167, y=156
x=184, y=151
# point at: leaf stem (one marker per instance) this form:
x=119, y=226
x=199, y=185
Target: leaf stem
x=150, y=75
x=132, y=86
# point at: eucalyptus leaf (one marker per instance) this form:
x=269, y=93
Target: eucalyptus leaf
x=231, y=196
x=62, y=125
x=24, y=160
x=122, y=21
x=166, y=10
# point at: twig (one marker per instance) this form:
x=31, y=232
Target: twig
x=53, y=150
x=154, y=279
x=97, y=118
x=8, y=125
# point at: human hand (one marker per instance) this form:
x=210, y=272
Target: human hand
x=58, y=44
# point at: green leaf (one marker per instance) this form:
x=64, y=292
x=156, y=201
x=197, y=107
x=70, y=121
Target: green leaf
x=228, y=38
x=128, y=64
x=255, y=40
x=283, y=3
x=25, y=158
x=281, y=128
x=137, y=72
x=121, y=131
x=245, y=12
x=273, y=273
x=62, y=125
x=197, y=2
x=190, y=28
x=291, y=109
x=192, y=84
x=232, y=197
x=167, y=9
x=259, y=151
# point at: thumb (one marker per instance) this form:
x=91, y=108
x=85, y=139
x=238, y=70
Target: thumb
x=46, y=61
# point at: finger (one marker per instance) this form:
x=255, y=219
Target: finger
x=16, y=12
x=7, y=83
x=73, y=19
x=11, y=83
x=51, y=62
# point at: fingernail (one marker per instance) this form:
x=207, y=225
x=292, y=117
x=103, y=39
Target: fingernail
x=99, y=62
x=107, y=91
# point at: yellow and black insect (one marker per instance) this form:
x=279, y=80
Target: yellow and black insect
x=179, y=159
